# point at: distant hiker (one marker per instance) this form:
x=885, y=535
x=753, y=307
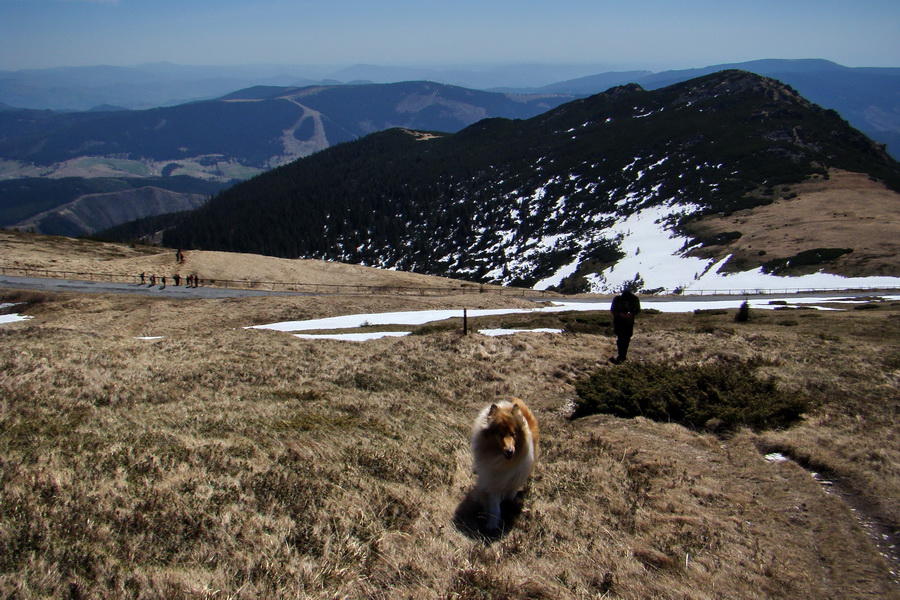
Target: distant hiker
x=179, y=257
x=163, y=281
x=177, y=279
x=142, y=279
x=625, y=308
x=152, y=280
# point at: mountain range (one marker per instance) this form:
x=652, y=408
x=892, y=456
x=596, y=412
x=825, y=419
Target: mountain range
x=139, y=87
x=215, y=142
x=554, y=200
x=867, y=97
x=76, y=173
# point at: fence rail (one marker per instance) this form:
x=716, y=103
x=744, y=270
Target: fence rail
x=773, y=291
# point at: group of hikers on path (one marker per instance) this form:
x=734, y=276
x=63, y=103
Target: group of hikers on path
x=191, y=280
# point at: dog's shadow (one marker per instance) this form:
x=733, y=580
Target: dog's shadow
x=469, y=519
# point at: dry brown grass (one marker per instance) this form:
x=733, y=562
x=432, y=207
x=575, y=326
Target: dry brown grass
x=220, y=462
x=31, y=251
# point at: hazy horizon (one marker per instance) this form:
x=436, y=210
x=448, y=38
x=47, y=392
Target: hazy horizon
x=650, y=35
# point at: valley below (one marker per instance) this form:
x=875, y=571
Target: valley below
x=158, y=447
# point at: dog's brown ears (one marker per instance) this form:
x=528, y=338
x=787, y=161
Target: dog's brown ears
x=494, y=408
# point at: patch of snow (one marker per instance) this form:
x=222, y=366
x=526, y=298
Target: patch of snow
x=631, y=164
x=428, y=316
x=659, y=162
x=547, y=242
x=13, y=318
x=352, y=337
x=390, y=318
x=654, y=253
x=651, y=251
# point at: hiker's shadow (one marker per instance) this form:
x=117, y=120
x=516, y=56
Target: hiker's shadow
x=469, y=518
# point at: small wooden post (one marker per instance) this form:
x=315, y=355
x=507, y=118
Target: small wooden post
x=465, y=322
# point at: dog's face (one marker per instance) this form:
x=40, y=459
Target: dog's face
x=504, y=428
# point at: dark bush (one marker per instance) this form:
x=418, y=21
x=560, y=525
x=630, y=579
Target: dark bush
x=807, y=258
x=869, y=306
x=592, y=323
x=730, y=394
x=720, y=239
x=743, y=313
x=19, y=297
x=709, y=312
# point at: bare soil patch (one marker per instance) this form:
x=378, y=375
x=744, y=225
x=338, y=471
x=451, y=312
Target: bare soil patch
x=847, y=210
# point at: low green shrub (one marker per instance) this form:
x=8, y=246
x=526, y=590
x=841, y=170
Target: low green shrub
x=594, y=323
x=709, y=312
x=728, y=394
x=869, y=306
x=441, y=327
x=23, y=297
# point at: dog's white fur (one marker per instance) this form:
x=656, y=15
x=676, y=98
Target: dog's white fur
x=504, y=449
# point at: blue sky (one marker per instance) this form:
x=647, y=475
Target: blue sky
x=621, y=34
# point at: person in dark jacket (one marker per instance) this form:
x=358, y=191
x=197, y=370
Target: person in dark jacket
x=624, y=309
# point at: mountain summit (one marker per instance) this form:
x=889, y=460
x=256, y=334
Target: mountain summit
x=556, y=200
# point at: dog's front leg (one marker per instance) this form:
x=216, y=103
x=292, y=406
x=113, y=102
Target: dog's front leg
x=492, y=505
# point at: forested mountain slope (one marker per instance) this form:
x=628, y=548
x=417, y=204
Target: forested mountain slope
x=526, y=201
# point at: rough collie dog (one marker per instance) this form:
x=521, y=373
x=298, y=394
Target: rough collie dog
x=504, y=448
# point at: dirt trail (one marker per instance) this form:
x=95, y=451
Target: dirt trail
x=883, y=534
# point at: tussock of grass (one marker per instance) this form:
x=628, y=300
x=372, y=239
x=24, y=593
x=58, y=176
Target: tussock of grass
x=20, y=301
